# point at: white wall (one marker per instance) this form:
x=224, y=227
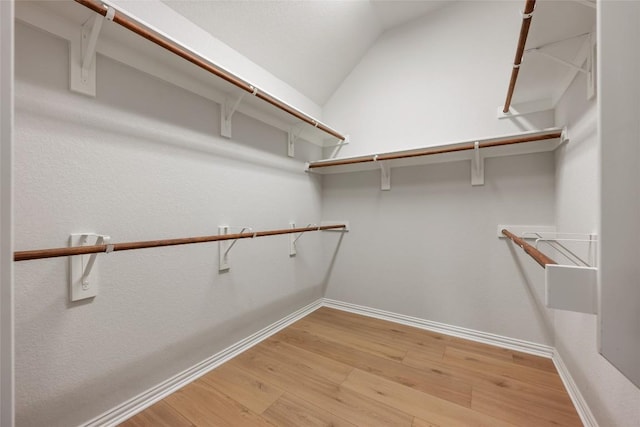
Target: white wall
x=428, y=248
x=164, y=20
x=143, y=161
x=6, y=215
x=620, y=186
x=613, y=399
x=438, y=79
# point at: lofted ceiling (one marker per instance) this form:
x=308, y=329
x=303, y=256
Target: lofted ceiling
x=311, y=44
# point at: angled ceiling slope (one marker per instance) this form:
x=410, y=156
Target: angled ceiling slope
x=311, y=45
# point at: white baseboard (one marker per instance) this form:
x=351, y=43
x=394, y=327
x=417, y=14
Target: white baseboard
x=137, y=404
x=456, y=331
x=586, y=416
x=142, y=401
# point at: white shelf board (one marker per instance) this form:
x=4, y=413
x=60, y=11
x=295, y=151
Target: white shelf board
x=65, y=18
x=500, y=151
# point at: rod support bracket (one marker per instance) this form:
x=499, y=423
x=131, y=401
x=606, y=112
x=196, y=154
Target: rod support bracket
x=477, y=166
x=341, y=143
x=227, y=110
x=385, y=174
x=83, y=283
x=293, y=239
x=224, y=246
x=293, y=135
x=83, y=55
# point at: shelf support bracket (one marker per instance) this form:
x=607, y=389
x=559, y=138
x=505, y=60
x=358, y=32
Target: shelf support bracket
x=292, y=137
x=224, y=246
x=81, y=283
x=559, y=60
x=227, y=109
x=477, y=166
x=293, y=239
x=83, y=55
x=385, y=174
x=339, y=145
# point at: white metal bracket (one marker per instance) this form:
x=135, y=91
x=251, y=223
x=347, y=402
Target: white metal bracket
x=294, y=238
x=557, y=59
x=227, y=109
x=292, y=241
x=339, y=145
x=477, y=166
x=224, y=246
x=564, y=136
x=82, y=283
x=223, y=263
x=83, y=55
x=385, y=174
x=581, y=57
x=292, y=137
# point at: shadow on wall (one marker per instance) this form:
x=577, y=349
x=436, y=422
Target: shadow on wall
x=542, y=311
x=325, y=280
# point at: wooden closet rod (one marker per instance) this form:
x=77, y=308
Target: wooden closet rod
x=524, y=33
x=83, y=250
x=435, y=150
x=540, y=258
x=182, y=52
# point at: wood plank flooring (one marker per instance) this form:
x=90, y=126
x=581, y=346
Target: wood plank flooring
x=334, y=368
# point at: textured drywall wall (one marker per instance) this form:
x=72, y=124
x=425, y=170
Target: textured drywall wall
x=157, y=15
x=613, y=399
x=437, y=79
x=429, y=247
x=143, y=161
x=619, y=25
x=6, y=215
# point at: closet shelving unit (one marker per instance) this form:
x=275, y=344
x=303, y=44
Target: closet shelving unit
x=569, y=286
x=474, y=150
x=122, y=36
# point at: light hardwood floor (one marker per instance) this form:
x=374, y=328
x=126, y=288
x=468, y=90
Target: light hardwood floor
x=334, y=368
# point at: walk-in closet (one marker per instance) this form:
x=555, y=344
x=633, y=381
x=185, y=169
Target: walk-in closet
x=319, y=213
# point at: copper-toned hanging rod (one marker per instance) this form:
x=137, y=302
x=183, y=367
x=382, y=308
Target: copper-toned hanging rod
x=182, y=52
x=524, y=33
x=534, y=253
x=435, y=150
x=83, y=250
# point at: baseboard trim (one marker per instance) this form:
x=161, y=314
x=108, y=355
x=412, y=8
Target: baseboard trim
x=586, y=416
x=142, y=401
x=456, y=331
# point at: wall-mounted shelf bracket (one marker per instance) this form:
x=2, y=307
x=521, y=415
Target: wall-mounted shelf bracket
x=83, y=55
x=227, y=110
x=83, y=282
x=337, y=147
x=385, y=174
x=571, y=278
x=294, y=238
x=586, y=55
x=477, y=166
x=559, y=60
x=292, y=137
x=224, y=246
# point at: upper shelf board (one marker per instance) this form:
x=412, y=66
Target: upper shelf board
x=532, y=142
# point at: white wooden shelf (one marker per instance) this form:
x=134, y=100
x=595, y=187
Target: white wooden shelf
x=475, y=151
